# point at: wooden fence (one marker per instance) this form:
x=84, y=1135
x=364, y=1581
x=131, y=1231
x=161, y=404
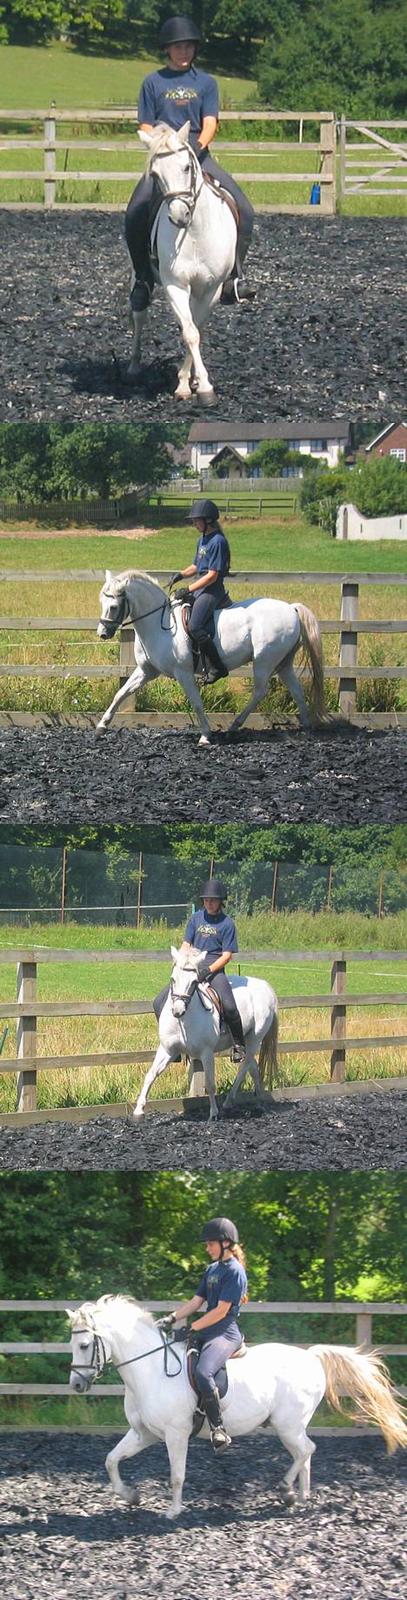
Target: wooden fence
x=26, y=1009
x=387, y=166
x=252, y=495
x=364, y=1313
x=53, y=147
x=349, y=627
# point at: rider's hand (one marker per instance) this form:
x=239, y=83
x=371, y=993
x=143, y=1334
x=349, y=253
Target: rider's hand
x=176, y=578
x=184, y=595
x=200, y=152
x=167, y=1323
x=205, y=973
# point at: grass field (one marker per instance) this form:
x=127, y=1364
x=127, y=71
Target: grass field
x=286, y=931
x=277, y=543
x=33, y=77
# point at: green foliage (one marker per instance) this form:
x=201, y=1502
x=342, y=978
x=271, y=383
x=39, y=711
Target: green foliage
x=344, y=55
x=377, y=487
x=46, y=461
x=272, y=456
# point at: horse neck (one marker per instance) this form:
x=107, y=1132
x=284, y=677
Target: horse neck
x=128, y=1335
x=143, y=593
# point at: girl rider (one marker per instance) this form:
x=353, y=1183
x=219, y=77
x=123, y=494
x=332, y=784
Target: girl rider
x=178, y=93
x=223, y=1287
x=207, y=594
x=212, y=930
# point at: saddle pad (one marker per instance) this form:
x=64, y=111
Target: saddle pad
x=223, y=194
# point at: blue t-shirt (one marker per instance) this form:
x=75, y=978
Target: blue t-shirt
x=177, y=97
x=223, y=1280
x=212, y=553
x=212, y=933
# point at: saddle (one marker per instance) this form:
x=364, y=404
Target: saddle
x=223, y=194
x=221, y=1380
x=198, y=664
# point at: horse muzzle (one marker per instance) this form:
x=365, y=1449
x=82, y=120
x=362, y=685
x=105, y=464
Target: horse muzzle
x=179, y=1008
x=179, y=212
x=106, y=630
x=80, y=1383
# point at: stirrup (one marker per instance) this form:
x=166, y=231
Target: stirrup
x=220, y=1439
x=236, y=290
x=238, y=1053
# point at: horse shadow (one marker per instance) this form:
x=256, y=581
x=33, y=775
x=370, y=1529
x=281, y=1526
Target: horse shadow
x=108, y=377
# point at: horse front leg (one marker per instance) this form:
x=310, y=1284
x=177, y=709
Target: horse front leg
x=134, y=1441
x=208, y=1063
x=138, y=318
x=162, y=1060
x=179, y=299
x=137, y=680
x=177, y=1447
x=187, y=681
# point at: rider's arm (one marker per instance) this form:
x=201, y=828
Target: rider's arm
x=146, y=127
x=205, y=581
x=188, y=572
x=210, y=1317
x=221, y=961
x=188, y=1307
x=207, y=133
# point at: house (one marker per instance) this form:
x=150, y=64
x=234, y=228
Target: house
x=392, y=441
x=324, y=440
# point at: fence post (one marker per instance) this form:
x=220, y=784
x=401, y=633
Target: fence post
x=342, y=158
x=329, y=888
x=364, y=1328
x=50, y=159
x=139, y=890
x=274, y=888
x=327, y=138
x=338, y=1021
x=63, y=884
x=26, y=1037
x=127, y=662
x=348, y=648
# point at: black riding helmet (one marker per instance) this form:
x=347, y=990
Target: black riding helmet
x=178, y=30
x=222, y=1230
x=206, y=510
x=214, y=889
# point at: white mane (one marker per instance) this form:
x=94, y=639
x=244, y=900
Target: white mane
x=190, y=958
x=116, y=582
x=164, y=140
x=88, y=1313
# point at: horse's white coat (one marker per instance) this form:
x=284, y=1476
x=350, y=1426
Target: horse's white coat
x=265, y=632
x=195, y=249
x=194, y=1028
x=276, y=1384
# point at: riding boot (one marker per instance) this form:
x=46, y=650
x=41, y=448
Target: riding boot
x=236, y=289
x=220, y=1439
x=213, y=667
x=234, y=1023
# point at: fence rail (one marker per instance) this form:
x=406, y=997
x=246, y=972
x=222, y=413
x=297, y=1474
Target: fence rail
x=26, y=1009
x=51, y=176
x=348, y=673
x=364, y=1313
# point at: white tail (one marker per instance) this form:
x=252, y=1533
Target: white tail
x=268, y=1052
x=311, y=642
x=362, y=1375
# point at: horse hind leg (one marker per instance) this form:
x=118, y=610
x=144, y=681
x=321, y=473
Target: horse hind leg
x=301, y=1448
x=262, y=673
x=289, y=677
x=138, y=319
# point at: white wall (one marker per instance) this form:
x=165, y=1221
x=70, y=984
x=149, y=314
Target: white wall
x=351, y=525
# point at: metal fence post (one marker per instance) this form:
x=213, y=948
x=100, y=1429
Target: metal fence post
x=26, y=1037
x=338, y=1021
x=139, y=912
x=50, y=159
x=348, y=648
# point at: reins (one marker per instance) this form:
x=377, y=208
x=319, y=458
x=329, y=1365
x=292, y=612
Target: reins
x=98, y=1340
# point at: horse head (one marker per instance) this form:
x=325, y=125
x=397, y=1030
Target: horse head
x=185, y=977
x=173, y=163
x=91, y=1348
x=113, y=604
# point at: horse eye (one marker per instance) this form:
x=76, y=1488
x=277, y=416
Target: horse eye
x=83, y=1344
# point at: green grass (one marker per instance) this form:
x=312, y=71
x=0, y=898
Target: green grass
x=33, y=76
x=285, y=931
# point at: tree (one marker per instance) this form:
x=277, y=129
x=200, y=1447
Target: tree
x=272, y=456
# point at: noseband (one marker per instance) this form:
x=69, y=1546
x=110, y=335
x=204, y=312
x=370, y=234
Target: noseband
x=185, y=997
x=189, y=196
x=99, y=1357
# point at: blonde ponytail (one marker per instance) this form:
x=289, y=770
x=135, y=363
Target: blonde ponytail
x=238, y=1253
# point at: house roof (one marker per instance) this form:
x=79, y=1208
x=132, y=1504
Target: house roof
x=227, y=432
x=384, y=434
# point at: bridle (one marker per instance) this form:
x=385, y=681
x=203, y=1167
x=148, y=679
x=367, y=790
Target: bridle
x=195, y=989
x=99, y=1357
x=124, y=613
x=188, y=196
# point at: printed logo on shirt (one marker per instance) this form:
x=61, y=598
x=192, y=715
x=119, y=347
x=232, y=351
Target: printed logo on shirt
x=203, y=928
x=182, y=96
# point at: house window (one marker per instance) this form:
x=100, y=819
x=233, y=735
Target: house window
x=319, y=444
x=399, y=455
x=207, y=448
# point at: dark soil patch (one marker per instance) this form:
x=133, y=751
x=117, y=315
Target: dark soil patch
x=365, y=1132
x=343, y=775
x=326, y=336
x=64, y=1536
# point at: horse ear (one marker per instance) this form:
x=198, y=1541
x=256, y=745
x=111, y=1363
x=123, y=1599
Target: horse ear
x=174, y=952
x=70, y=1315
x=146, y=138
x=184, y=132
x=108, y=576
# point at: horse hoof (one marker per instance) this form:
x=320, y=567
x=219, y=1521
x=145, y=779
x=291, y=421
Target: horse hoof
x=207, y=397
x=101, y=727
x=138, y=1113
x=204, y=739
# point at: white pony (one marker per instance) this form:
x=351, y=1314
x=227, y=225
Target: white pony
x=189, y=1023
x=268, y=633
x=273, y=1385
x=194, y=238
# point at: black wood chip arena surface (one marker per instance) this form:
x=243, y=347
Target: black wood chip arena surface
x=364, y=1131
x=344, y=775
x=325, y=337
x=63, y=1536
